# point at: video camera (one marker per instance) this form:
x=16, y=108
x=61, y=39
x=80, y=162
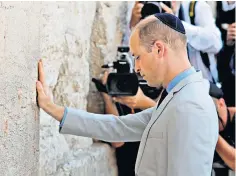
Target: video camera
x=124, y=82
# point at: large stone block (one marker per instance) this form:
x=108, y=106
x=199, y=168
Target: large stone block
x=19, y=117
x=74, y=39
x=74, y=50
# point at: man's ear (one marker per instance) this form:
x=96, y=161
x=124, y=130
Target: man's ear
x=159, y=48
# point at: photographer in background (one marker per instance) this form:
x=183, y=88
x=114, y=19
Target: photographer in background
x=225, y=147
x=126, y=153
x=125, y=92
x=143, y=9
x=136, y=14
x=225, y=20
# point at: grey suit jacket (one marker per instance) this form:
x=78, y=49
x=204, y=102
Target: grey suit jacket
x=177, y=139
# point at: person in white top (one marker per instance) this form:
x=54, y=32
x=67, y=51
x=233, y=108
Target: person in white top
x=203, y=36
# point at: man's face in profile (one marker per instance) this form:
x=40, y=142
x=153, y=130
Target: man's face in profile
x=146, y=62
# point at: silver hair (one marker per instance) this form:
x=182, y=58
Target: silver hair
x=156, y=30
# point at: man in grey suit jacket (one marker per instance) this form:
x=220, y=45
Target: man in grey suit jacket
x=179, y=135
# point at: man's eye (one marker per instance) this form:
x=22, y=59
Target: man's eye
x=136, y=58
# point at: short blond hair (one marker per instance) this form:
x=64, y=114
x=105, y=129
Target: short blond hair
x=154, y=30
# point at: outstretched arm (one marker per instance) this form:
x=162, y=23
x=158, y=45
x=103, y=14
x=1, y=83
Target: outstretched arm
x=104, y=127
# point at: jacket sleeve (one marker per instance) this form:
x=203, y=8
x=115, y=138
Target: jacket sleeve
x=108, y=128
x=204, y=35
x=192, y=136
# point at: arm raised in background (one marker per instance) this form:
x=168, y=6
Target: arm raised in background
x=109, y=128
x=136, y=14
x=231, y=34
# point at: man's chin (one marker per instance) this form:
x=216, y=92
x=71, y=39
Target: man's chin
x=150, y=84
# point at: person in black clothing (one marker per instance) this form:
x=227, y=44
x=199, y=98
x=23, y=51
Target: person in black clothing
x=225, y=20
x=225, y=147
x=126, y=153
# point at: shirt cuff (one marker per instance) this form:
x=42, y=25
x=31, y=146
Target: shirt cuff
x=64, y=117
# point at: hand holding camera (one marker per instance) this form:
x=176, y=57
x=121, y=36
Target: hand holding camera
x=133, y=102
x=124, y=85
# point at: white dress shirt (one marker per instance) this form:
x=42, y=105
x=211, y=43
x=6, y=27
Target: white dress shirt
x=203, y=36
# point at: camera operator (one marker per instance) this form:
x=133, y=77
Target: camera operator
x=225, y=20
x=143, y=9
x=225, y=147
x=126, y=153
x=204, y=38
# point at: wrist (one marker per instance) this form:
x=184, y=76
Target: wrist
x=106, y=97
x=54, y=110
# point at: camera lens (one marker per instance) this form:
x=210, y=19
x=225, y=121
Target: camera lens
x=123, y=85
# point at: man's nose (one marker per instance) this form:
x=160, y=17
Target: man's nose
x=136, y=66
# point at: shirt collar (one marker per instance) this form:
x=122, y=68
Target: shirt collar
x=179, y=78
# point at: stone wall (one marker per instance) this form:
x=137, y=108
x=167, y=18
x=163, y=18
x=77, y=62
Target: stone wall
x=19, y=116
x=74, y=39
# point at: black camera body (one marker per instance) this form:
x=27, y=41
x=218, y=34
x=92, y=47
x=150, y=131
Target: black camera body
x=123, y=82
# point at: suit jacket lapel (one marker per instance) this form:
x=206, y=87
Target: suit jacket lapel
x=155, y=115
x=192, y=78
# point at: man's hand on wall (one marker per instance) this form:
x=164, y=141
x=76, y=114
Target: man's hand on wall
x=42, y=88
x=44, y=100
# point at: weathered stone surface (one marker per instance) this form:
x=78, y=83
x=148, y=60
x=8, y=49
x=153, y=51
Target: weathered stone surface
x=74, y=39
x=106, y=37
x=97, y=160
x=19, y=117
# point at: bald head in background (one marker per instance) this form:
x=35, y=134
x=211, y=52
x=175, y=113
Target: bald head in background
x=158, y=44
